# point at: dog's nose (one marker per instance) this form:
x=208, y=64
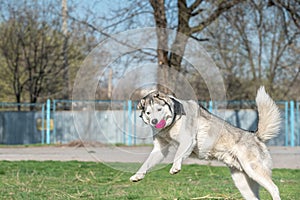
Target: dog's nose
x=154, y=121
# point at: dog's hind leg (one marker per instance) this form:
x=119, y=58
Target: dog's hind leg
x=256, y=171
x=247, y=187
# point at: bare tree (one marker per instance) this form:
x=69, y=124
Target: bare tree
x=32, y=49
x=42, y=52
x=257, y=42
x=191, y=19
x=188, y=18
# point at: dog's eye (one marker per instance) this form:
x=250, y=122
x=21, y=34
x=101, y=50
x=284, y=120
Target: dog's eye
x=159, y=109
x=148, y=113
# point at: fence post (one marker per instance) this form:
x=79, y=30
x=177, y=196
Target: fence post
x=292, y=123
x=297, y=123
x=286, y=117
x=48, y=110
x=210, y=106
x=43, y=125
x=129, y=123
x=54, y=119
x=124, y=123
x=134, y=123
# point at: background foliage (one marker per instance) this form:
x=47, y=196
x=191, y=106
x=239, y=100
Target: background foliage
x=253, y=42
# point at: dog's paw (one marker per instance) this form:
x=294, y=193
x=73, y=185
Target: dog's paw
x=175, y=169
x=137, y=177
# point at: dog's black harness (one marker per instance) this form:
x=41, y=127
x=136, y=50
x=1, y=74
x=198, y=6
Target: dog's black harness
x=178, y=110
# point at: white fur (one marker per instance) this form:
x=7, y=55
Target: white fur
x=269, y=116
x=209, y=137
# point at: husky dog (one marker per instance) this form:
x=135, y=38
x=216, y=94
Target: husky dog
x=193, y=130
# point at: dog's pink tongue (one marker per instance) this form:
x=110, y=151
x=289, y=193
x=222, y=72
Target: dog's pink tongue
x=161, y=124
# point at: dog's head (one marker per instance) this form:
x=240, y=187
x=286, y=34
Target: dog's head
x=158, y=109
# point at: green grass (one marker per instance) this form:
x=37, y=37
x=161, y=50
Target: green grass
x=89, y=180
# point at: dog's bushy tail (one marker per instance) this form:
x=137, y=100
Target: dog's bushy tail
x=268, y=116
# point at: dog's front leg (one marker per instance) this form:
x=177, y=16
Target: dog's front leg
x=185, y=148
x=156, y=156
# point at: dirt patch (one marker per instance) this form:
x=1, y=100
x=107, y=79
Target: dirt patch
x=80, y=143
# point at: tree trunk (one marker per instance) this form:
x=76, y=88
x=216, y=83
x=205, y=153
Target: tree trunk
x=162, y=46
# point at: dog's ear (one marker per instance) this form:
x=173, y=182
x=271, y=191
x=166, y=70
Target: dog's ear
x=164, y=97
x=156, y=94
x=141, y=104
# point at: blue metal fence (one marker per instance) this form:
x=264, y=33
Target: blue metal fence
x=12, y=123
x=49, y=112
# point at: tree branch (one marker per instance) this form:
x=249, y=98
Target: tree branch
x=223, y=7
x=292, y=10
x=195, y=5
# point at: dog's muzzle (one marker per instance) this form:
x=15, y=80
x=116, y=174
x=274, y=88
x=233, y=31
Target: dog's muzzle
x=159, y=125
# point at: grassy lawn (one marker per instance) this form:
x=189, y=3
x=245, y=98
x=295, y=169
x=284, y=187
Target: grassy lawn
x=89, y=180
